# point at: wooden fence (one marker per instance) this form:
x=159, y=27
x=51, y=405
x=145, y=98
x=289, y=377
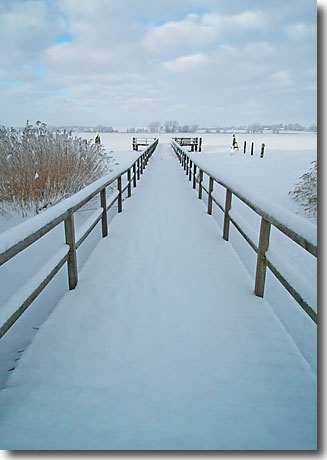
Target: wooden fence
x=145, y=141
x=194, y=142
x=15, y=307
x=195, y=172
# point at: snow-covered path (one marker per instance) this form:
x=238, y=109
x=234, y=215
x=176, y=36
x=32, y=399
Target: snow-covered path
x=162, y=345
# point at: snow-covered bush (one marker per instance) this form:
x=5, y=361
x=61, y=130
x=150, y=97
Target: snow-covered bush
x=39, y=168
x=305, y=191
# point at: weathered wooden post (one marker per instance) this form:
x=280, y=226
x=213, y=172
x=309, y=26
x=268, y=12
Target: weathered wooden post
x=200, y=184
x=228, y=205
x=210, y=195
x=196, y=143
x=72, y=259
x=129, y=187
x=138, y=169
x=120, y=198
x=103, y=201
x=134, y=175
x=252, y=147
x=260, y=277
x=133, y=143
x=187, y=161
x=200, y=144
x=194, y=176
x=141, y=161
x=262, y=150
x=190, y=171
x=244, y=149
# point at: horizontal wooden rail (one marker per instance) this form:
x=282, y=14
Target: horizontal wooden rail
x=19, y=238
x=144, y=141
x=194, y=142
x=267, y=220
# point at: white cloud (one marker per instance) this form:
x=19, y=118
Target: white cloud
x=186, y=63
x=301, y=31
x=259, y=50
x=173, y=37
x=131, y=62
x=282, y=78
x=196, y=32
x=175, y=108
x=248, y=20
x=26, y=30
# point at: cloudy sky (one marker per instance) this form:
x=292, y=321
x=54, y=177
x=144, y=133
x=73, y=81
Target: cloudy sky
x=129, y=62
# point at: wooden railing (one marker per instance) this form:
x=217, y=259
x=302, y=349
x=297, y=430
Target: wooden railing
x=64, y=212
x=194, y=142
x=144, y=141
x=195, y=173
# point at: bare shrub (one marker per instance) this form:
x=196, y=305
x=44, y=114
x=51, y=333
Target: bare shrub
x=305, y=191
x=39, y=168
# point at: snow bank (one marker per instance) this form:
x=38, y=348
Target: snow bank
x=276, y=214
x=27, y=290
x=162, y=345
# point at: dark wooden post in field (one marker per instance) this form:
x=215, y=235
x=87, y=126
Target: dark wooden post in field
x=120, y=198
x=190, y=171
x=103, y=201
x=244, y=149
x=228, y=204
x=72, y=259
x=262, y=150
x=200, y=184
x=210, y=195
x=194, y=176
x=200, y=144
x=252, y=147
x=260, y=277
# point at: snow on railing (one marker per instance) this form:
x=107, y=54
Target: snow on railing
x=23, y=235
x=301, y=232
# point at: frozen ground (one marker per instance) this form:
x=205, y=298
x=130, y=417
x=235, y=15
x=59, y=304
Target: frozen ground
x=157, y=348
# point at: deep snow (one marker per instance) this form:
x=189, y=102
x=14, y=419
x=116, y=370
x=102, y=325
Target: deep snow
x=156, y=348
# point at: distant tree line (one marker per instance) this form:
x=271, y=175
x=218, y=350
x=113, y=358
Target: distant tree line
x=173, y=126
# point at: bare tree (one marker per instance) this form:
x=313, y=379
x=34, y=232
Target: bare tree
x=171, y=126
x=154, y=126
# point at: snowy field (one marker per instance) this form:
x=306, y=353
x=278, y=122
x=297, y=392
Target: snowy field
x=162, y=345
x=287, y=157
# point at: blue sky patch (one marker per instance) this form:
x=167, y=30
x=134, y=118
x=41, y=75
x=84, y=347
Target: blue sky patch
x=40, y=69
x=65, y=38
